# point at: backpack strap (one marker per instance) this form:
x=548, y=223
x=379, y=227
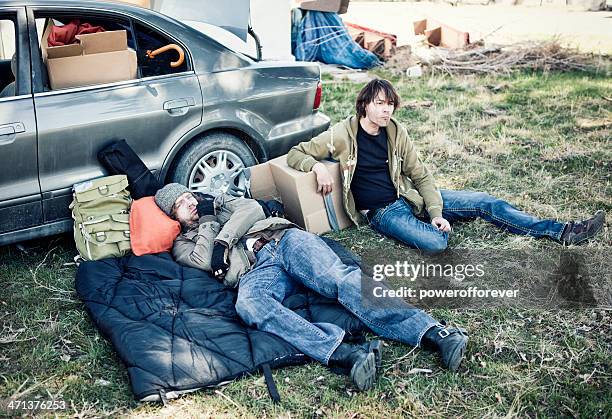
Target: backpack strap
x=162, y=397
x=272, y=390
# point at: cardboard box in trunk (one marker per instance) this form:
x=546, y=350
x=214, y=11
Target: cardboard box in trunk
x=98, y=58
x=335, y=6
x=298, y=193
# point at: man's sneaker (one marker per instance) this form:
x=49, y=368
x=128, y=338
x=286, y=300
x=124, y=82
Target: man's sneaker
x=358, y=362
x=450, y=342
x=576, y=232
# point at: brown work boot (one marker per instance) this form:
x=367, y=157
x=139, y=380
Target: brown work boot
x=576, y=232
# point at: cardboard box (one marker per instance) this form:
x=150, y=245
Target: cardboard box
x=335, y=6
x=441, y=34
x=98, y=58
x=298, y=193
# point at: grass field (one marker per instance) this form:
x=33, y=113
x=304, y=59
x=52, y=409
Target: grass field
x=531, y=139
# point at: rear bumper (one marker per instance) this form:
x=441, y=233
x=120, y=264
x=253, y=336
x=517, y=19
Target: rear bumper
x=284, y=136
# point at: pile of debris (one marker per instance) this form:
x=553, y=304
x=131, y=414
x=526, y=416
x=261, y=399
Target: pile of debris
x=403, y=60
x=380, y=43
x=539, y=56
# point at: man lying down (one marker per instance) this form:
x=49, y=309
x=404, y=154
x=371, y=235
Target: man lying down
x=267, y=256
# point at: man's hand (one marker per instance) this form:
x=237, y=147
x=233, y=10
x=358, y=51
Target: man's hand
x=217, y=263
x=206, y=206
x=441, y=224
x=324, y=178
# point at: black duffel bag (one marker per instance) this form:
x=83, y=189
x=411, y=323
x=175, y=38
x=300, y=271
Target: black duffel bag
x=119, y=159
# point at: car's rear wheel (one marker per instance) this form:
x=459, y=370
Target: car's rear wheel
x=214, y=163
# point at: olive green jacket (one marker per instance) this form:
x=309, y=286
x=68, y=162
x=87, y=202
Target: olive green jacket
x=409, y=175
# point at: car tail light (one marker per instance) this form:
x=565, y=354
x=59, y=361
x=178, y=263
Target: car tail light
x=317, y=100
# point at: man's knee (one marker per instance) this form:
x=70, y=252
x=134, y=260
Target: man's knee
x=296, y=236
x=438, y=246
x=484, y=198
x=434, y=243
x=488, y=204
x=247, y=309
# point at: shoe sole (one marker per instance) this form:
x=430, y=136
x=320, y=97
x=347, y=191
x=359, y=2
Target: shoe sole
x=457, y=355
x=363, y=374
x=376, y=348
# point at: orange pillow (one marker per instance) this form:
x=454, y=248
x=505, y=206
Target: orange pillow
x=151, y=230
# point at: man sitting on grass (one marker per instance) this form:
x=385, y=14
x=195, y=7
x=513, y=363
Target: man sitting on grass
x=268, y=257
x=386, y=185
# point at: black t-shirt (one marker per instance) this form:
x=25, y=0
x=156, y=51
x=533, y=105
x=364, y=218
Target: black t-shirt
x=371, y=185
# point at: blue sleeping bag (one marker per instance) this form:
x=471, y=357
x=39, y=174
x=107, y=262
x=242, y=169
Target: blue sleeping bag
x=176, y=330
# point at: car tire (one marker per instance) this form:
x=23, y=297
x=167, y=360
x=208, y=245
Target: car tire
x=212, y=163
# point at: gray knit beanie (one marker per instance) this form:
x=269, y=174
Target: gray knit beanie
x=167, y=196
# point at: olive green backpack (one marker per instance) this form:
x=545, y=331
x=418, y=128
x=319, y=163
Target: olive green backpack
x=100, y=209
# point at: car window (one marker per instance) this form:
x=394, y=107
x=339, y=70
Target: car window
x=148, y=39
x=108, y=24
x=108, y=54
x=8, y=58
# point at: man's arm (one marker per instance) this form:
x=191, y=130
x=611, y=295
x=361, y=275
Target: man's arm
x=306, y=155
x=236, y=215
x=208, y=249
x=197, y=253
x=423, y=180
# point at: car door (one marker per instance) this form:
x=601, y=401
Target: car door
x=151, y=112
x=20, y=196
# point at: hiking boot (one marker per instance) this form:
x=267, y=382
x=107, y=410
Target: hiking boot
x=374, y=346
x=358, y=362
x=576, y=232
x=450, y=342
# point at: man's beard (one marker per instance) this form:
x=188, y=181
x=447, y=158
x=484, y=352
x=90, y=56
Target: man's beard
x=379, y=122
x=188, y=225
x=382, y=122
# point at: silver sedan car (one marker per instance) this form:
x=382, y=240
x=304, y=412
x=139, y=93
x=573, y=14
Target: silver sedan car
x=198, y=123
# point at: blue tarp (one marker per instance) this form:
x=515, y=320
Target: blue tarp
x=322, y=36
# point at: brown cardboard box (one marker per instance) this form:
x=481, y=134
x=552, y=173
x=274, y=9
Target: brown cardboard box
x=441, y=34
x=101, y=57
x=336, y=6
x=298, y=193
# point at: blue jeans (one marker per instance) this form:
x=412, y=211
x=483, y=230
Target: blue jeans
x=303, y=258
x=398, y=221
